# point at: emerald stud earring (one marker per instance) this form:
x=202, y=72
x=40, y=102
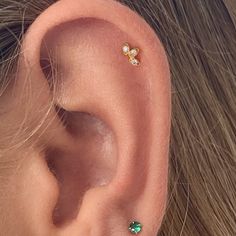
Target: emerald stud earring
x=131, y=53
x=135, y=227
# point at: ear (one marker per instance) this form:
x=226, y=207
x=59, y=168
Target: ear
x=108, y=145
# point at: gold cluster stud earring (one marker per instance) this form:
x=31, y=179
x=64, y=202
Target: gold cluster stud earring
x=131, y=53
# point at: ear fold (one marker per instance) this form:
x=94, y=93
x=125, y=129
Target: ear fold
x=108, y=146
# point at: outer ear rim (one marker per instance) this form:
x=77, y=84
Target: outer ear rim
x=147, y=35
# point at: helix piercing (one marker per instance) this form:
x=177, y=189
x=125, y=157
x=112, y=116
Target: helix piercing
x=131, y=53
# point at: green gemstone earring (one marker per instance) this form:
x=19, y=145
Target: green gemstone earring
x=135, y=227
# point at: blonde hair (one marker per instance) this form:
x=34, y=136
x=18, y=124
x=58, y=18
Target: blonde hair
x=199, y=39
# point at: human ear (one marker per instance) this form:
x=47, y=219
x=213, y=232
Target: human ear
x=107, y=140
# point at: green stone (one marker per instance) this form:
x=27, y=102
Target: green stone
x=135, y=227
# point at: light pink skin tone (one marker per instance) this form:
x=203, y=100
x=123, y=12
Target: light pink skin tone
x=113, y=165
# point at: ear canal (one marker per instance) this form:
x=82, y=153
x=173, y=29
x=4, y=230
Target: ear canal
x=89, y=162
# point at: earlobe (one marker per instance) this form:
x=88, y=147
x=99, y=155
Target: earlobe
x=110, y=140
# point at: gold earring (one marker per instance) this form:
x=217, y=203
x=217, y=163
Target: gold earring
x=131, y=53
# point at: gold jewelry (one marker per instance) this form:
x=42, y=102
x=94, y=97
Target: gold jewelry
x=131, y=53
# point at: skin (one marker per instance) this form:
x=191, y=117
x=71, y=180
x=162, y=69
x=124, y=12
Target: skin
x=109, y=166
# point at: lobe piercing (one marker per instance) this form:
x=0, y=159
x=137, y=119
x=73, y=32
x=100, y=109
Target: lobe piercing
x=131, y=53
x=135, y=227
